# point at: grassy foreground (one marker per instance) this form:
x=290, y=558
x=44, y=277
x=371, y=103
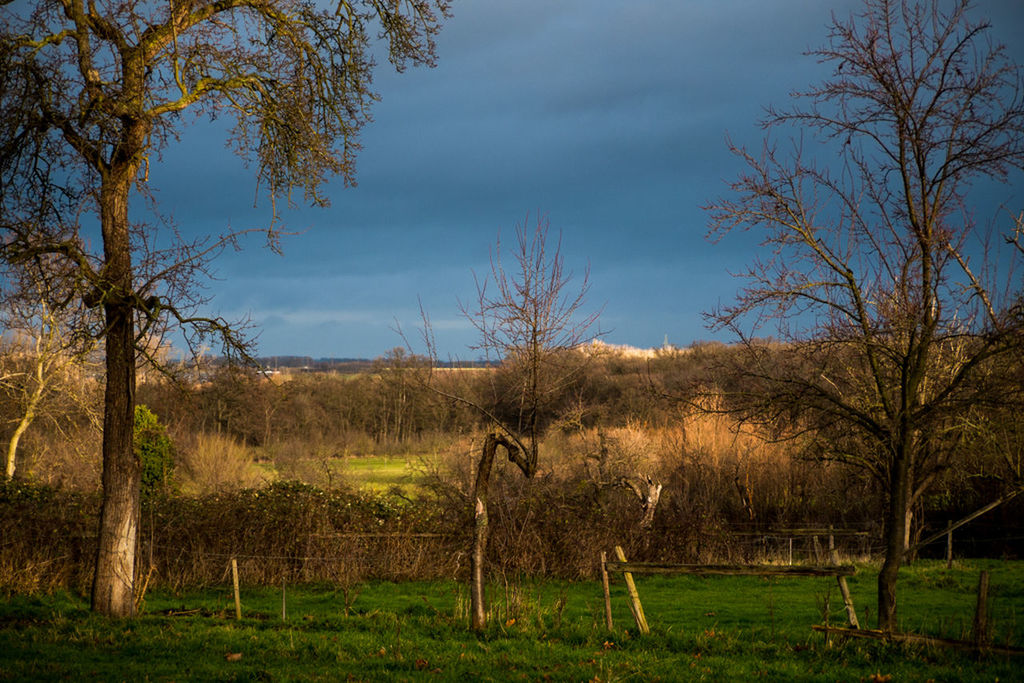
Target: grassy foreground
x=735, y=628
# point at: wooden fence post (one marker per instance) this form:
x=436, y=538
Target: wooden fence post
x=284, y=611
x=607, y=591
x=234, y=580
x=634, y=597
x=949, y=544
x=981, y=613
x=844, y=590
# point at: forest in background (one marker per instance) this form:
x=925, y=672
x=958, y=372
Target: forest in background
x=254, y=465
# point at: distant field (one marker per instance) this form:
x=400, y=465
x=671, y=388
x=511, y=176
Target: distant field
x=733, y=628
x=380, y=472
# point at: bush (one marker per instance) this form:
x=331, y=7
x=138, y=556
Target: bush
x=49, y=538
x=155, y=452
x=214, y=464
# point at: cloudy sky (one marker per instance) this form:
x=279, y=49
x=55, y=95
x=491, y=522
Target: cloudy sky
x=610, y=117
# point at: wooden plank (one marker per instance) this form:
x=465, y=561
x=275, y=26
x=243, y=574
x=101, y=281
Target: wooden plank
x=730, y=570
x=634, y=596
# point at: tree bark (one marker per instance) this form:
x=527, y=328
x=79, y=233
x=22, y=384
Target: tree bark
x=895, y=530
x=29, y=414
x=481, y=490
x=113, y=584
x=648, y=492
x=23, y=424
x=908, y=524
x=481, y=528
x=12, y=445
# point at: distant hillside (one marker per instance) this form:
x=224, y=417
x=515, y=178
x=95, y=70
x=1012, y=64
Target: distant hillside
x=340, y=365
x=358, y=365
x=344, y=366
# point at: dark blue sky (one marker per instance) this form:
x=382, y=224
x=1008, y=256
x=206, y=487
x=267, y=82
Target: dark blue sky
x=608, y=116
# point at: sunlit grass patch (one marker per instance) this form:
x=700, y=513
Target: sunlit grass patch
x=380, y=472
x=703, y=628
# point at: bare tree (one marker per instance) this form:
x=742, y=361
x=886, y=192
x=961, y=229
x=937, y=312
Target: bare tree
x=889, y=308
x=90, y=91
x=396, y=379
x=603, y=474
x=45, y=350
x=530, y=322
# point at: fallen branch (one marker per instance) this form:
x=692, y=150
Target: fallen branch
x=895, y=637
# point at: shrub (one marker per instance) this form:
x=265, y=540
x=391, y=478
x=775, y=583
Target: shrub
x=155, y=452
x=213, y=463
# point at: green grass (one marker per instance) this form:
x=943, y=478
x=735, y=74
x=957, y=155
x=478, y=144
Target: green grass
x=720, y=628
x=376, y=473
x=380, y=472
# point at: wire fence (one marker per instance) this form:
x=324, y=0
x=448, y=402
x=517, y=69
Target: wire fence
x=296, y=533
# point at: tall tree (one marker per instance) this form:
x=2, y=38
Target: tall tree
x=891, y=310
x=90, y=91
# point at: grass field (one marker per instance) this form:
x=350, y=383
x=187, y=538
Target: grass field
x=380, y=472
x=377, y=473
x=736, y=628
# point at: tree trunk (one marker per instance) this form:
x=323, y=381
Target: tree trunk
x=113, y=584
x=12, y=445
x=908, y=524
x=29, y=415
x=895, y=530
x=481, y=490
x=648, y=492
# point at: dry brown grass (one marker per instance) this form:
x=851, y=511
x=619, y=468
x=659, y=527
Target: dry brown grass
x=210, y=463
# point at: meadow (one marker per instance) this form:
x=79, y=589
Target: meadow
x=717, y=628
x=382, y=472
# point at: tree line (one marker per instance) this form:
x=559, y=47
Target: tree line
x=391, y=410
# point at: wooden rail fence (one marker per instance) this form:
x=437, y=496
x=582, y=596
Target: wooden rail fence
x=629, y=568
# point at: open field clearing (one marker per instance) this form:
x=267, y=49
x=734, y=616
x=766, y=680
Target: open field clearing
x=374, y=473
x=721, y=628
x=381, y=472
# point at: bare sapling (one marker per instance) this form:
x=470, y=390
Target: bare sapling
x=530, y=324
